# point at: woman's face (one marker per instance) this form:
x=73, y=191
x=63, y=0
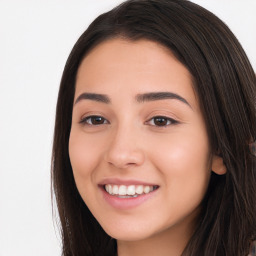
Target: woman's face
x=138, y=133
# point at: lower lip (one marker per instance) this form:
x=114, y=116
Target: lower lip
x=126, y=203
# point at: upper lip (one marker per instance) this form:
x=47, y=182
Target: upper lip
x=126, y=182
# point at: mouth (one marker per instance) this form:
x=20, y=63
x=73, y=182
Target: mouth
x=127, y=194
x=131, y=191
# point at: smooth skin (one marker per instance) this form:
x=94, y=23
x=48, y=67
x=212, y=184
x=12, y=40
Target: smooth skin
x=128, y=141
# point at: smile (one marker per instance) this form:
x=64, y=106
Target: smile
x=127, y=194
x=123, y=191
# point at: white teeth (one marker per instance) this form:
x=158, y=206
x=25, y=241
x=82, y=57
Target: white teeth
x=109, y=189
x=115, y=190
x=139, y=189
x=146, y=189
x=122, y=190
x=131, y=190
x=128, y=191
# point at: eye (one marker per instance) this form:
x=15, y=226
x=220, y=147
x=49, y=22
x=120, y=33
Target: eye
x=161, y=121
x=94, y=120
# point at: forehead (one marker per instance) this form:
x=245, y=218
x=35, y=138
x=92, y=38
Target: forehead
x=122, y=53
x=135, y=67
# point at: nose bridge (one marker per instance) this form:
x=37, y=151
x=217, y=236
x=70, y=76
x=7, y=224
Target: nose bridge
x=124, y=148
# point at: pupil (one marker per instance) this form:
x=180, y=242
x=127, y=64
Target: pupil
x=97, y=120
x=160, y=121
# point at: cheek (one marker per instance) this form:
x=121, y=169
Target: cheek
x=186, y=157
x=84, y=154
x=184, y=163
x=184, y=150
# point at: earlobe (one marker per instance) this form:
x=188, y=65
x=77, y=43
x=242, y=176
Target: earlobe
x=218, y=165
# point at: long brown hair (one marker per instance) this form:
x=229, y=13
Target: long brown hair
x=225, y=84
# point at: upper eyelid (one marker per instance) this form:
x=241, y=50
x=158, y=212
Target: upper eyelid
x=173, y=120
x=92, y=114
x=162, y=116
x=85, y=118
x=170, y=116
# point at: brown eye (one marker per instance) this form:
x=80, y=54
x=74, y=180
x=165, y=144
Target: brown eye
x=94, y=120
x=161, y=121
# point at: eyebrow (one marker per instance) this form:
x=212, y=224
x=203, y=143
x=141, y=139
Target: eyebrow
x=153, y=96
x=140, y=98
x=93, y=96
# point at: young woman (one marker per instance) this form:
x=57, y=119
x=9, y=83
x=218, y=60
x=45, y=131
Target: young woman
x=154, y=144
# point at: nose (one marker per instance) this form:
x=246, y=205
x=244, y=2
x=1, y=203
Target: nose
x=125, y=149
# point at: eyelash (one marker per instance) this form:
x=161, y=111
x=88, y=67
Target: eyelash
x=85, y=120
x=170, y=121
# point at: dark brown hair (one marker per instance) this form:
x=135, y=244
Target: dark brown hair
x=225, y=84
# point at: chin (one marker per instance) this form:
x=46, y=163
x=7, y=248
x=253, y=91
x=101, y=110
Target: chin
x=131, y=233
x=128, y=236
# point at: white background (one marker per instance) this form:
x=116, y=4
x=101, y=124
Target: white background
x=35, y=40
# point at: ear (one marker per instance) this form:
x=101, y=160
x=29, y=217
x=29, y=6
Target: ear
x=218, y=166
